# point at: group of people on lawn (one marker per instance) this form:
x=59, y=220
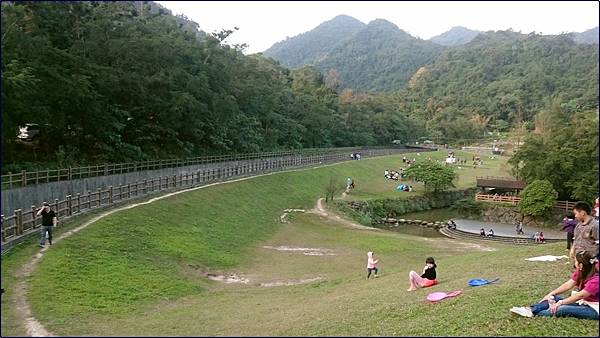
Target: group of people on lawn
x=583, y=282
x=394, y=175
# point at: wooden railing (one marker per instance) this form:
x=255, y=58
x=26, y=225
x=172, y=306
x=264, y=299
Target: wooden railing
x=23, y=178
x=564, y=205
x=24, y=222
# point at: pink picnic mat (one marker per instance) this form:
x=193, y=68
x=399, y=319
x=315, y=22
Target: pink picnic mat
x=437, y=296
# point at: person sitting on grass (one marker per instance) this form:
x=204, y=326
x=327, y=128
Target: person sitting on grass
x=426, y=279
x=491, y=233
x=482, y=232
x=582, y=304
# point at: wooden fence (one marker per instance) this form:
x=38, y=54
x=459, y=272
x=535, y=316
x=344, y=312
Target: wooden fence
x=24, y=178
x=564, y=205
x=24, y=222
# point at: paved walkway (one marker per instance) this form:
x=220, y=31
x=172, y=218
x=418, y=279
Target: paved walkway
x=508, y=230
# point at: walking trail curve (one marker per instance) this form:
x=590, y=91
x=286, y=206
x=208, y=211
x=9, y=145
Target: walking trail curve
x=22, y=309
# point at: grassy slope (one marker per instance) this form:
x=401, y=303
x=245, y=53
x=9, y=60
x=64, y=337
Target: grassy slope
x=140, y=271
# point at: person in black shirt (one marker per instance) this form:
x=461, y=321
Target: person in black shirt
x=49, y=220
x=426, y=279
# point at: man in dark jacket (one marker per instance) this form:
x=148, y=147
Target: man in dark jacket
x=49, y=220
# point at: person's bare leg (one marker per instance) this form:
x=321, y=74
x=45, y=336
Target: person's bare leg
x=415, y=281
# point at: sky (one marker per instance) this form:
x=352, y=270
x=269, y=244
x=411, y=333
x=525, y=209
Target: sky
x=263, y=23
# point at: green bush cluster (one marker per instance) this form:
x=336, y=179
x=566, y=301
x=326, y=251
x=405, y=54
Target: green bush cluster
x=395, y=207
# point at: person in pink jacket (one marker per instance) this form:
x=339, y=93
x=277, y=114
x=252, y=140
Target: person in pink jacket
x=371, y=264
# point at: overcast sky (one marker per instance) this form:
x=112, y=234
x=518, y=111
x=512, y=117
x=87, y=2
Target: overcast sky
x=262, y=23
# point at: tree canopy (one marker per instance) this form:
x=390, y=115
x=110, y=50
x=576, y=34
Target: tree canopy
x=537, y=198
x=435, y=176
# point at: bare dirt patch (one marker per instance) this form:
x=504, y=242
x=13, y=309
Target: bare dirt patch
x=229, y=279
x=283, y=218
x=305, y=251
x=291, y=283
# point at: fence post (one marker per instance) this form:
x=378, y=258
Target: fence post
x=19, y=221
x=23, y=178
x=2, y=226
x=70, y=173
x=69, y=211
x=99, y=196
x=145, y=189
x=78, y=202
x=128, y=190
x=33, y=215
x=110, y=194
x=174, y=180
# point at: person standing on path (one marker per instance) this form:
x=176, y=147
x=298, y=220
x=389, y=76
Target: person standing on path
x=519, y=228
x=569, y=224
x=49, y=220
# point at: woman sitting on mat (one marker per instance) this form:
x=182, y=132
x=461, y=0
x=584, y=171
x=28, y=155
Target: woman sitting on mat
x=426, y=279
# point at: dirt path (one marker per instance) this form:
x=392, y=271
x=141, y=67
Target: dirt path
x=320, y=210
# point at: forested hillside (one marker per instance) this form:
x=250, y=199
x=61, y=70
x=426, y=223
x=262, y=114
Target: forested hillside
x=124, y=81
x=500, y=80
x=589, y=36
x=108, y=82
x=375, y=57
x=314, y=45
x=379, y=57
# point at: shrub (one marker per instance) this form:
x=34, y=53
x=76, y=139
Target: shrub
x=537, y=198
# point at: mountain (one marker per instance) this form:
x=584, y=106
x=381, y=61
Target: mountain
x=380, y=57
x=374, y=57
x=589, y=36
x=456, y=36
x=310, y=47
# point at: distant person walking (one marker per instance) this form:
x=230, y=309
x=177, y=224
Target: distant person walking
x=49, y=220
x=519, y=228
x=569, y=224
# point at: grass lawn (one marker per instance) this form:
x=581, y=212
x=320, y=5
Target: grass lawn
x=142, y=271
x=370, y=184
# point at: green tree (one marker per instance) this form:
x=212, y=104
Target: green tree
x=433, y=175
x=537, y=198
